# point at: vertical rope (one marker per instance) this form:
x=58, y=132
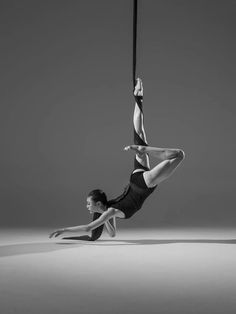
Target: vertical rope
x=138, y=99
x=137, y=138
x=135, y=18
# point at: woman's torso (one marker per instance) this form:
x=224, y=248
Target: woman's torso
x=133, y=197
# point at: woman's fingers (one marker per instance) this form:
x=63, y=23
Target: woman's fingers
x=55, y=233
x=51, y=235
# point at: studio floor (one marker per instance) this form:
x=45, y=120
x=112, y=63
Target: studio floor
x=140, y=271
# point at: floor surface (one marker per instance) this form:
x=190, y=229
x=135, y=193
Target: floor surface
x=140, y=271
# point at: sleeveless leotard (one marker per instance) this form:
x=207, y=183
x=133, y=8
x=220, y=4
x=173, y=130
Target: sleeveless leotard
x=133, y=197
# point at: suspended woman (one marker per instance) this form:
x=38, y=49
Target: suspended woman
x=143, y=181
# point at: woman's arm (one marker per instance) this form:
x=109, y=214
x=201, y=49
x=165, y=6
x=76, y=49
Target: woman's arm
x=95, y=234
x=108, y=214
x=111, y=227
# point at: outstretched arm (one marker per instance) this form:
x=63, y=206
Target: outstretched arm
x=95, y=234
x=110, y=213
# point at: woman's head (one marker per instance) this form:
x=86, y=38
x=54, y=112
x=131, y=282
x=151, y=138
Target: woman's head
x=96, y=201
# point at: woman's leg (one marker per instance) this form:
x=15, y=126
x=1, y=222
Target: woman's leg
x=171, y=158
x=141, y=159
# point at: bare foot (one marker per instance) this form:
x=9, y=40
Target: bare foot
x=139, y=149
x=138, y=90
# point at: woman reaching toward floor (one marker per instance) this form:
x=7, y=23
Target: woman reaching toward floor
x=143, y=181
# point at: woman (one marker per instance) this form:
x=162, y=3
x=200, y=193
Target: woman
x=143, y=181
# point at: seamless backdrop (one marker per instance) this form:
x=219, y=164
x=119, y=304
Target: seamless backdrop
x=66, y=108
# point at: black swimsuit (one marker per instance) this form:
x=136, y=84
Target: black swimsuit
x=134, y=195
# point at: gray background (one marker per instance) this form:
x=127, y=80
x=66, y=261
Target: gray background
x=66, y=108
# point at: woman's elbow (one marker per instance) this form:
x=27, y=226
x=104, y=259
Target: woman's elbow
x=87, y=228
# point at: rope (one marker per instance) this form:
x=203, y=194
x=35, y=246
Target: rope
x=138, y=99
x=135, y=15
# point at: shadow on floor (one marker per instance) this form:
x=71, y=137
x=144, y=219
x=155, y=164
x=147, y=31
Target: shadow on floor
x=158, y=242
x=35, y=248
x=47, y=247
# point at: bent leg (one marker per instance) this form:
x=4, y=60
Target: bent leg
x=163, y=170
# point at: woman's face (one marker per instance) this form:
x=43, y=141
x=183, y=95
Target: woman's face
x=92, y=206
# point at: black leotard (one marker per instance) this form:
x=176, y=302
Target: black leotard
x=129, y=202
x=133, y=197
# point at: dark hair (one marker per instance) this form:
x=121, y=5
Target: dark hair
x=98, y=195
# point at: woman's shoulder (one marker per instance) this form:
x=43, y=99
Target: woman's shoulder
x=116, y=212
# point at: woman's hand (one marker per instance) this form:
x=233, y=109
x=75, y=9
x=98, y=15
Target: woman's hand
x=81, y=228
x=57, y=233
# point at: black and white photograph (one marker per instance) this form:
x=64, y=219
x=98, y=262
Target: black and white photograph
x=117, y=133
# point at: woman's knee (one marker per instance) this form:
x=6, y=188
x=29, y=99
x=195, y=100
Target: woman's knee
x=171, y=154
x=181, y=154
